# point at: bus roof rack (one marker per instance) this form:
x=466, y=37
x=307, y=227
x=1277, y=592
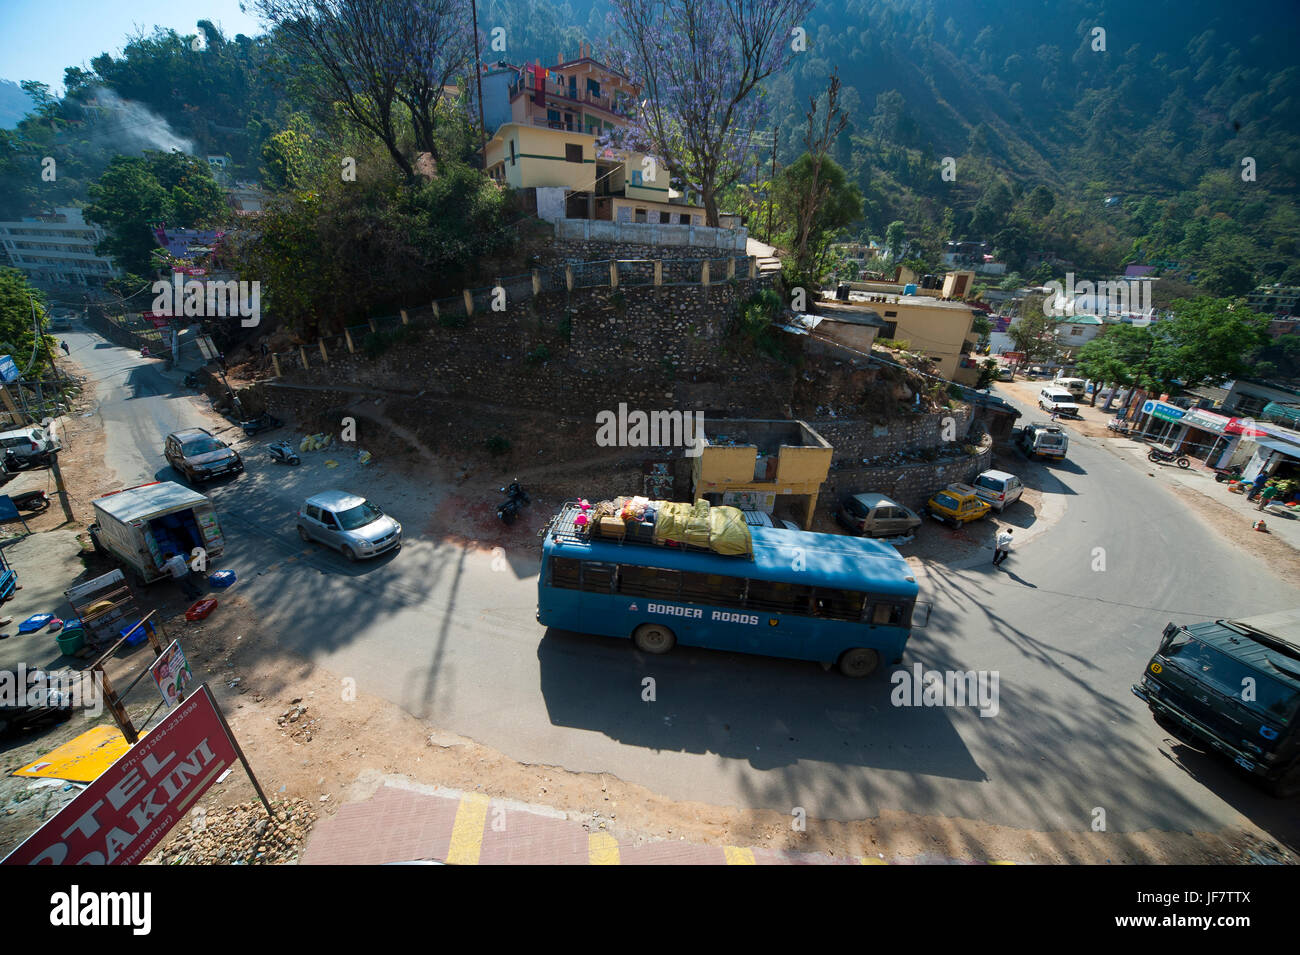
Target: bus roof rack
x=563, y=528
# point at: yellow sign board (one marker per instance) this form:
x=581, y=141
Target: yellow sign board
x=80, y=760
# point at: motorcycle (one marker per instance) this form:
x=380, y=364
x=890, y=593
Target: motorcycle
x=192, y=380
x=30, y=708
x=1228, y=474
x=1119, y=427
x=1156, y=456
x=282, y=452
x=516, y=500
x=263, y=422
x=32, y=501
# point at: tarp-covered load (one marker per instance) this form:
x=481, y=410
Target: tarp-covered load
x=722, y=530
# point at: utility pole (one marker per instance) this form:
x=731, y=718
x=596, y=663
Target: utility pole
x=771, y=189
x=59, y=486
x=478, y=77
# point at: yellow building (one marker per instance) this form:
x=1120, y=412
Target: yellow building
x=753, y=464
x=938, y=329
x=550, y=141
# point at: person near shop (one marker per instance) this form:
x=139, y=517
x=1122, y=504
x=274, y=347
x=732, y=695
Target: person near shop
x=1266, y=496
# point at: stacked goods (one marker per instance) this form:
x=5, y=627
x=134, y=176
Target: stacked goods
x=720, y=529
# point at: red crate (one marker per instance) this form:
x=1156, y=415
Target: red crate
x=201, y=609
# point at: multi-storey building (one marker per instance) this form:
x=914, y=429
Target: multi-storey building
x=556, y=141
x=57, y=249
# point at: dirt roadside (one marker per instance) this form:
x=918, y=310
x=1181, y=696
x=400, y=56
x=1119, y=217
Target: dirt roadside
x=309, y=743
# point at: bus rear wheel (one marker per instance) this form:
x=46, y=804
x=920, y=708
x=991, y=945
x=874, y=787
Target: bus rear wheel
x=653, y=638
x=859, y=662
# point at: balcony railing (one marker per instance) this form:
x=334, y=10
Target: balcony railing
x=556, y=91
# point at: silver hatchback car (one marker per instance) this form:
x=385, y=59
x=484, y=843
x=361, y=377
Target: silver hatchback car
x=349, y=524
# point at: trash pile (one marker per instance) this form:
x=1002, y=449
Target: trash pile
x=316, y=442
x=240, y=835
x=722, y=530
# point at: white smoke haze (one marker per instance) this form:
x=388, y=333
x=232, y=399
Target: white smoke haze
x=126, y=127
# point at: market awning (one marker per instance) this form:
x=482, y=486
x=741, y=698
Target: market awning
x=1282, y=447
x=1206, y=420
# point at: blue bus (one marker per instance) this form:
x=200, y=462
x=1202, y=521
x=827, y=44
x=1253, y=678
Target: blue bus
x=847, y=601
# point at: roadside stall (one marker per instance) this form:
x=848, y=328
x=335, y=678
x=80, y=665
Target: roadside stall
x=105, y=607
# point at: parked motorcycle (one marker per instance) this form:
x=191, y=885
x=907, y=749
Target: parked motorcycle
x=516, y=500
x=1156, y=456
x=32, y=501
x=29, y=708
x=192, y=380
x=263, y=422
x=1228, y=474
x=1119, y=427
x=282, y=452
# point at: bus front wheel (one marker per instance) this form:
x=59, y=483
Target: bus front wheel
x=653, y=638
x=859, y=662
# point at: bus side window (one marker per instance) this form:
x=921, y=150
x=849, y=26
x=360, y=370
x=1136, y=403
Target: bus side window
x=713, y=589
x=887, y=614
x=598, y=578
x=840, y=604
x=565, y=573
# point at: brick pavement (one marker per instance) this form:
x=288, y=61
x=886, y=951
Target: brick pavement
x=399, y=824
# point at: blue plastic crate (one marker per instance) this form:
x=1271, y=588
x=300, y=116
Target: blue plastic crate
x=221, y=579
x=140, y=635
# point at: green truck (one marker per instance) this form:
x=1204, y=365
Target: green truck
x=1233, y=686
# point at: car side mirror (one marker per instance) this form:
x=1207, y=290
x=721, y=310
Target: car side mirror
x=1171, y=630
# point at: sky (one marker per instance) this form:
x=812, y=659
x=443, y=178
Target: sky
x=39, y=38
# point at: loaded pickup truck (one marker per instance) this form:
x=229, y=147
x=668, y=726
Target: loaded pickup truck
x=1233, y=686
x=141, y=525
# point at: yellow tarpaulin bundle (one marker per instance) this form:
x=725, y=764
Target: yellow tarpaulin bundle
x=728, y=532
x=722, y=529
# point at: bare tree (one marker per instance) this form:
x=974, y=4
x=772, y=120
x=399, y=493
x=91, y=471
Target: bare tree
x=698, y=63
x=818, y=139
x=382, y=61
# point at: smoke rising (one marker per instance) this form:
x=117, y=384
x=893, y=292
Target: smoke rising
x=126, y=127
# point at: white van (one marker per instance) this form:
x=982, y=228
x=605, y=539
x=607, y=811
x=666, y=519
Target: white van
x=1075, y=386
x=1058, y=400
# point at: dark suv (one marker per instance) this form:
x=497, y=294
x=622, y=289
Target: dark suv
x=200, y=456
x=1233, y=686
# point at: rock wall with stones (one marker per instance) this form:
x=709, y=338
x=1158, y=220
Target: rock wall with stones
x=910, y=485
x=568, y=251
x=864, y=438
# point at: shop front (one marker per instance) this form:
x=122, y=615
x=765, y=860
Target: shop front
x=1202, y=433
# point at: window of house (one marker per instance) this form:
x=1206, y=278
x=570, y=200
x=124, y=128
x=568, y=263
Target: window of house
x=512, y=152
x=683, y=219
x=573, y=152
x=665, y=218
x=891, y=314
x=636, y=177
x=890, y=330
x=639, y=216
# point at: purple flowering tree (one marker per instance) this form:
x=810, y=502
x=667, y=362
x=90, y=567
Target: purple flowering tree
x=699, y=65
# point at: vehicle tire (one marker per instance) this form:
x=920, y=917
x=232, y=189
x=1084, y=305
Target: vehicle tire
x=1184, y=463
x=1151, y=456
x=350, y=554
x=1286, y=785
x=653, y=638
x=859, y=662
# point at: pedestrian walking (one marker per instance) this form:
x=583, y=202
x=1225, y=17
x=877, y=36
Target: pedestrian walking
x=1001, y=545
x=1257, y=485
x=175, y=565
x=1266, y=496
x=66, y=349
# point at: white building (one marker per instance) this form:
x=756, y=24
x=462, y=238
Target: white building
x=57, y=249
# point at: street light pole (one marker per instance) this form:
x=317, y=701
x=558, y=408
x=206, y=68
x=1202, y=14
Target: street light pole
x=478, y=76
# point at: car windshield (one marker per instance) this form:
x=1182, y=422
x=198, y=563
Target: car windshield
x=856, y=508
x=992, y=484
x=359, y=516
x=203, y=446
x=1227, y=675
x=946, y=500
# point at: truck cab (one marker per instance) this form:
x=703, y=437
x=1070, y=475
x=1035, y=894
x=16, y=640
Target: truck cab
x=1233, y=686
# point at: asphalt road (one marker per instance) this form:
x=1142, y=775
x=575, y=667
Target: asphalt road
x=450, y=636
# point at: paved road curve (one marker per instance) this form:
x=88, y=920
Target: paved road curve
x=453, y=640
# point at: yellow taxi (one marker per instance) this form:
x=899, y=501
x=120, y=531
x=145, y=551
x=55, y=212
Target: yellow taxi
x=957, y=504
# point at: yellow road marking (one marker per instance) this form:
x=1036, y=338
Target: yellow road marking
x=737, y=856
x=467, y=833
x=602, y=849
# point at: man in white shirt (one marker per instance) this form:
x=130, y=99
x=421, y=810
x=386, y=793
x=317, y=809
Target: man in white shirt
x=175, y=565
x=1001, y=546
